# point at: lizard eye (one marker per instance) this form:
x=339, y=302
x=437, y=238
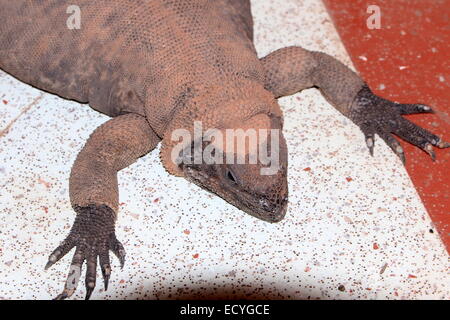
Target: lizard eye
x=230, y=176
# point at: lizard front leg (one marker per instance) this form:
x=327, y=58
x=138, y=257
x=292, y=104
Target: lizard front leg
x=94, y=196
x=290, y=70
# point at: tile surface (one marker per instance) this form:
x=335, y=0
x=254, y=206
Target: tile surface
x=355, y=227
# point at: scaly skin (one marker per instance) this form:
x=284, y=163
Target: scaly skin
x=157, y=66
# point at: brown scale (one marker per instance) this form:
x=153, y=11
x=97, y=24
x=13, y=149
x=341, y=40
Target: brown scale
x=156, y=66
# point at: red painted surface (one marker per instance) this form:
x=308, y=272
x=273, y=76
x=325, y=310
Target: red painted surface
x=408, y=60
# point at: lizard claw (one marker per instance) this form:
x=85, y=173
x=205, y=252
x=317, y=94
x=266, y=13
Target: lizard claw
x=118, y=250
x=383, y=117
x=61, y=251
x=61, y=296
x=89, y=291
x=106, y=272
x=370, y=142
x=106, y=282
x=442, y=144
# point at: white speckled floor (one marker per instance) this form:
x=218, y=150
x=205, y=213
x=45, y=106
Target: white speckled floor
x=355, y=227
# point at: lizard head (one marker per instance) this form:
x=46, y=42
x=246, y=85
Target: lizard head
x=246, y=165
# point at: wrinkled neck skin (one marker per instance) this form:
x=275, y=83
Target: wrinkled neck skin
x=257, y=187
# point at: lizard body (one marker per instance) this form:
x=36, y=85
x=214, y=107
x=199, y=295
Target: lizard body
x=159, y=66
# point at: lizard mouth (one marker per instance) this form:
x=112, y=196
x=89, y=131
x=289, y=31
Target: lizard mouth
x=257, y=205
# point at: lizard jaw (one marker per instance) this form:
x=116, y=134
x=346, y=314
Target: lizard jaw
x=257, y=205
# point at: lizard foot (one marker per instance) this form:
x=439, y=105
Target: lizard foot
x=375, y=115
x=93, y=236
